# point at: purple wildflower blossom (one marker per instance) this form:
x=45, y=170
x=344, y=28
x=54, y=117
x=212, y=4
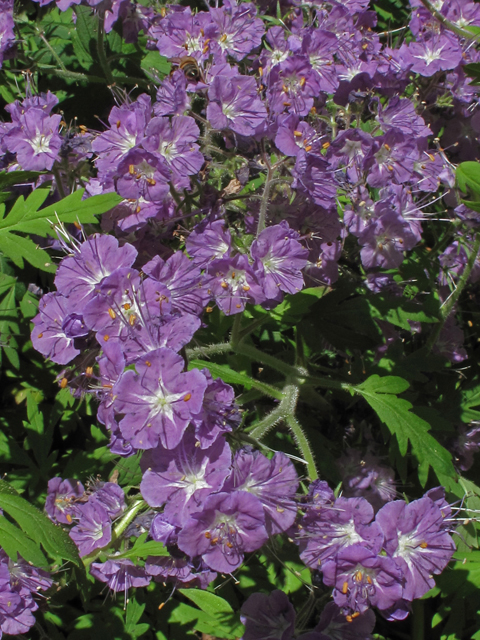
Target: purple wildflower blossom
x=268, y=617
x=35, y=139
x=158, y=400
x=219, y=412
x=233, y=283
x=229, y=525
x=142, y=176
x=416, y=539
x=180, y=571
x=172, y=98
x=279, y=258
x=62, y=497
x=174, y=142
x=53, y=334
x=94, y=528
x=336, y=626
x=234, y=104
x=183, y=280
x=239, y=31
x=328, y=528
x=120, y=574
x=183, y=478
x=433, y=53
x=110, y=496
x=78, y=276
x=361, y=579
x=292, y=86
x=274, y=482
x=209, y=241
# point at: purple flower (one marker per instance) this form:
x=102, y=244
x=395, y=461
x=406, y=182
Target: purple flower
x=78, y=276
x=62, y=497
x=416, y=539
x=362, y=579
x=94, y=528
x=400, y=115
x=391, y=159
x=433, y=53
x=234, y=104
x=7, y=35
x=120, y=574
x=172, y=97
x=274, y=482
x=183, y=279
x=174, y=142
x=233, y=283
x=16, y=612
x=183, y=478
x=219, y=412
x=182, y=33
x=279, y=258
x=268, y=617
x=209, y=241
x=292, y=86
x=336, y=626
x=328, y=528
x=49, y=335
x=239, y=31
x=127, y=130
x=229, y=525
x=110, y=496
x=384, y=241
x=180, y=571
x=142, y=176
x=158, y=400
x=35, y=139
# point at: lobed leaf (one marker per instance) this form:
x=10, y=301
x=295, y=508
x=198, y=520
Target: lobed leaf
x=37, y=526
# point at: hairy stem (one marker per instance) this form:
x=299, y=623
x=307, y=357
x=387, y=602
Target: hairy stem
x=208, y=350
x=303, y=444
x=447, y=23
x=265, y=200
x=449, y=304
x=102, y=58
x=52, y=51
x=264, y=426
x=127, y=518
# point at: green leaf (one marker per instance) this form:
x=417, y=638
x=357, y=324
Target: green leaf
x=25, y=217
x=155, y=64
x=233, y=377
x=294, y=307
x=468, y=180
x=8, y=179
x=13, y=541
x=400, y=311
x=406, y=426
x=207, y=602
x=134, y=613
x=37, y=526
x=144, y=550
x=224, y=626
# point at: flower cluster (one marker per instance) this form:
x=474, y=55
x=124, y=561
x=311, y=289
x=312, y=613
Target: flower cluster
x=213, y=510
x=19, y=582
x=385, y=560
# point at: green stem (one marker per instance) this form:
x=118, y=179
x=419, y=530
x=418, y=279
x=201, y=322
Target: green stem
x=127, y=518
x=58, y=181
x=418, y=620
x=447, y=23
x=304, y=446
x=264, y=426
x=209, y=350
x=265, y=200
x=236, y=328
x=73, y=75
x=449, y=304
x=52, y=51
x=102, y=58
x=255, y=354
